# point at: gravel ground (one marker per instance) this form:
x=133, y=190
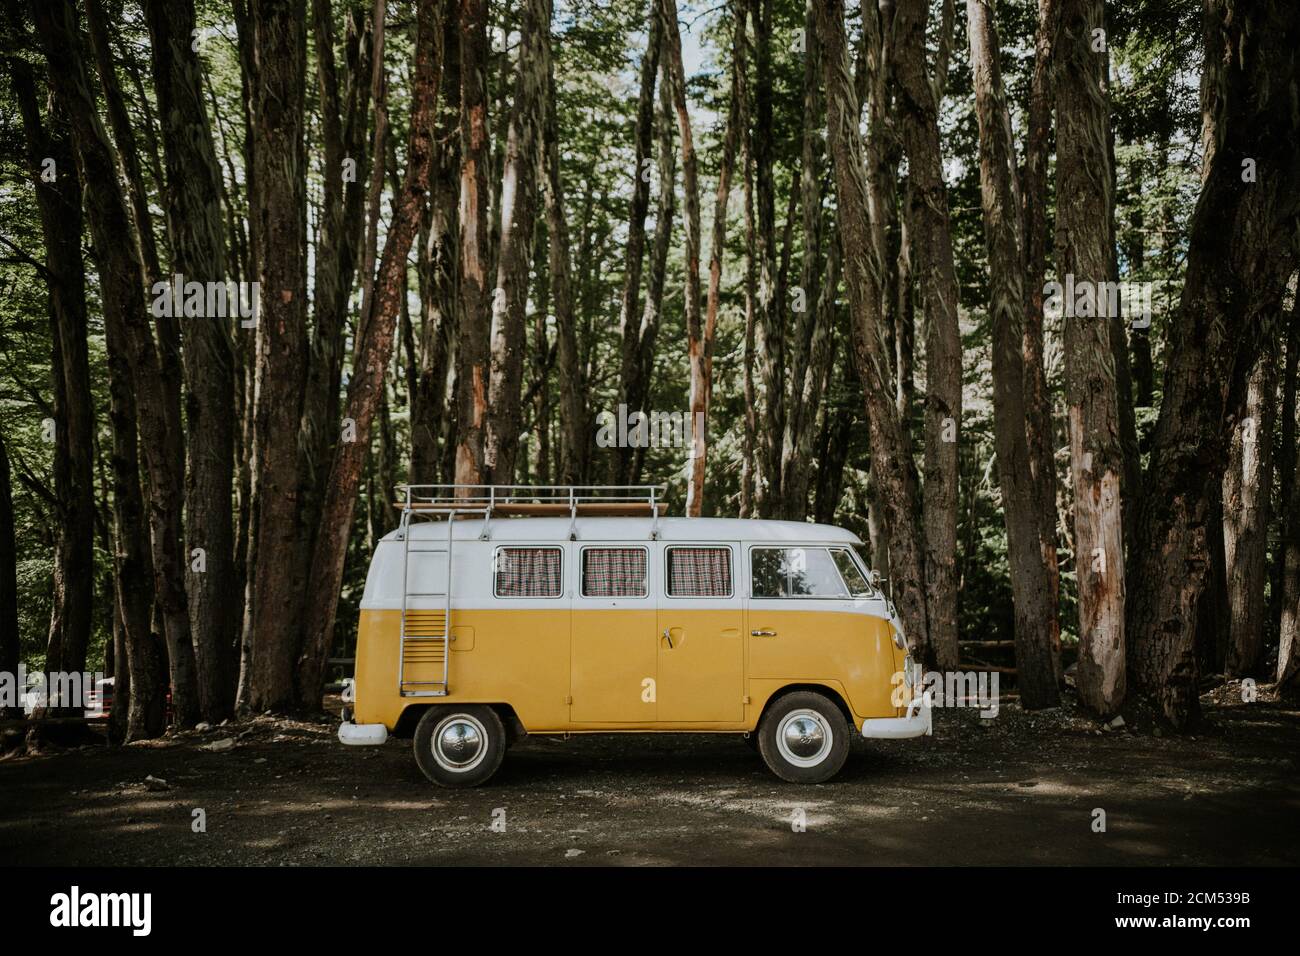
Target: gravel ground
x=1020, y=789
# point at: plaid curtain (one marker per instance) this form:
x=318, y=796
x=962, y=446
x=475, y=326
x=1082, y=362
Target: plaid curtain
x=613, y=572
x=699, y=572
x=528, y=572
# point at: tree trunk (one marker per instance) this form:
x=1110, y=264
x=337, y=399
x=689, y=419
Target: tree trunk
x=543, y=350
x=132, y=562
x=518, y=219
x=374, y=200
x=474, y=336
x=809, y=347
x=126, y=324
x=1037, y=664
x=1288, y=656
x=59, y=203
x=9, y=651
x=1288, y=550
x=1038, y=400
x=124, y=136
x=665, y=211
x=896, y=487
x=1213, y=613
x=770, y=326
x=197, y=239
x=503, y=22
x=137, y=196
x=884, y=152
x=629, y=309
x=1139, y=331
x=281, y=349
x=373, y=351
x=699, y=337
x=344, y=107
x=574, y=418
x=1240, y=254
x=1247, y=493
x=838, y=422
x=748, y=465
x=932, y=242
x=816, y=378
x=1130, y=485
x=700, y=403
x=905, y=322
x=438, y=270
x=246, y=352
x=116, y=659
x=1288, y=517
x=1096, y=452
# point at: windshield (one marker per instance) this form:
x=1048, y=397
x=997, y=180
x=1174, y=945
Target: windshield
x=852, y=574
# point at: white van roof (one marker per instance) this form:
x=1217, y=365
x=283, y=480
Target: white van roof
x=635, y=529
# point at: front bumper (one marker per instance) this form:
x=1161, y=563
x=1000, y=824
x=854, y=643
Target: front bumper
x=917, y=722
x=362, y=735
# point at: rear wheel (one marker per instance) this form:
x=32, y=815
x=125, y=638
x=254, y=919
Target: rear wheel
x=460, y=746
x=804, y=738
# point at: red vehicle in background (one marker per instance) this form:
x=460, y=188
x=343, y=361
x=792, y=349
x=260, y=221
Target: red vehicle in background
x=99, y=702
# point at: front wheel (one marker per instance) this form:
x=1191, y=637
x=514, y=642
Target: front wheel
x=460, y=746
x=804, y=738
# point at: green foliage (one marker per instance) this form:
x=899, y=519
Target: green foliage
x=598, y=47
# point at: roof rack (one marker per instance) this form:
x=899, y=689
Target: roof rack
x=520, y=501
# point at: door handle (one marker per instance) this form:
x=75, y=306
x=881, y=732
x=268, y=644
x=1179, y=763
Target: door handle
x=668, y=637
x=763, y=633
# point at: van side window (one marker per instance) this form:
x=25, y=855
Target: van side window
x=614, y=572
x=699, y=572
x=795, y=573
x=857, y=584
x=528, y=572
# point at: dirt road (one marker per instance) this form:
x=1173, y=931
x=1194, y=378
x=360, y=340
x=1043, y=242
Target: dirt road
x=1021, y=789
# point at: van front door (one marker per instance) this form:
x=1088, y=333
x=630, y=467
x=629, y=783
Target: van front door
x=701, y=653
x=613, y=667
x=803, y=623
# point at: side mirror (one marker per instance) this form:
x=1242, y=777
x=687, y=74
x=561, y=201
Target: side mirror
x=876, y=580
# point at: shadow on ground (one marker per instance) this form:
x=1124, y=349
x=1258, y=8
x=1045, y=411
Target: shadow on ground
x=1020, y=789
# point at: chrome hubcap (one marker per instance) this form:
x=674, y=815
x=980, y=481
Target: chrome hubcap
x=804, y=738
x=459, y=743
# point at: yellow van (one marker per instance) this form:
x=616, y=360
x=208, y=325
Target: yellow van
x=498, y=611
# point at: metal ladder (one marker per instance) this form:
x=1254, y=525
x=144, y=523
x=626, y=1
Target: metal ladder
x=425, y=632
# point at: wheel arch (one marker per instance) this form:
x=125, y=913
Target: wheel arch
x=411, y=714
x=825, y=690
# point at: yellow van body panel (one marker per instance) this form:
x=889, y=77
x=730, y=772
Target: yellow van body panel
x=701, y=674
x=822, y=646
x=613, y=672
x=634, y=669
